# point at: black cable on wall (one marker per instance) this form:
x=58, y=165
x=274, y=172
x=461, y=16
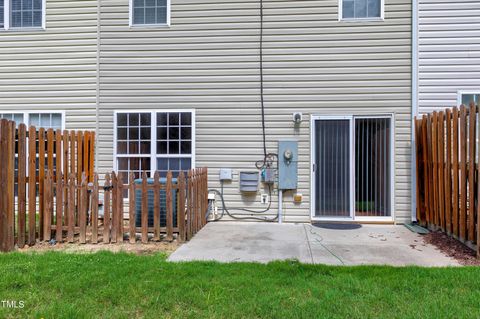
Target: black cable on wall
x=261, y=81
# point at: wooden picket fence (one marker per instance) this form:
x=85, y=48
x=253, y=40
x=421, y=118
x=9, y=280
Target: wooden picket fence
x=189, y=193
x=447, y=171
x=25, y=158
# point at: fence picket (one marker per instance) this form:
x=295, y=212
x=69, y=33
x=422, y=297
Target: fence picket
x=144, y=209
x=41, y=178
x=47, y=206
x=131, y=208
x=463, y=173
x=448, y=172
x=59, y=208
x=471, y=172
x=455, y=164
x=106, y=210
x=94, y=209
x=181, y=206
x=71, y=208
x=32, y=185
x=114, y=221
x=21, y=182
x=169, y=207
x=189, y=206
x=82, y=208
x=120, y=208
x=427, y=191
x=156, y=206
x=441, y=170
x=3, y=186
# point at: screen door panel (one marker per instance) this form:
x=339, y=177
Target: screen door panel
x=332, y=163
x=372, y=167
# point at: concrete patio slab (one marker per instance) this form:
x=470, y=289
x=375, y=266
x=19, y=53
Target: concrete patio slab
x=331, y=244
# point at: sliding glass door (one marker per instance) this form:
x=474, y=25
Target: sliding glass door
x=352, y=167
x=333, y=167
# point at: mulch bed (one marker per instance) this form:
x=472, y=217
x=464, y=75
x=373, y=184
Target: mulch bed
x=452, y=248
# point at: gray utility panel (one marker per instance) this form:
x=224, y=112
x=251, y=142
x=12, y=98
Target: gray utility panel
x=287, y=164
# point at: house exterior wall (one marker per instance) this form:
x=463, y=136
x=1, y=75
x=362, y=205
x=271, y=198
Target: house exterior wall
x=55, y=68
x=449, y=52
x=208, y=60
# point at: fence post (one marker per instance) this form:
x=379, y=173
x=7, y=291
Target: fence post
x=156, y=206
x=59, y=207
x=106, y=210
x=169, y=207
x=131, y=208
x=181, y=206
x=22, y=189
x=71, y=208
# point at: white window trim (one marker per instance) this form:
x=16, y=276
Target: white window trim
x=352, y=216
x=462, y=92
x=26, y=115
x=6, y=18
x=153, y=144
x=373, y=19
x=147, y=26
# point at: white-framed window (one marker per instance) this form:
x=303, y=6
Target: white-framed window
x=466, y=97
x=149, y=141
x=360, y=10
x=45, y=119
x=149, y=12
x=22, y=14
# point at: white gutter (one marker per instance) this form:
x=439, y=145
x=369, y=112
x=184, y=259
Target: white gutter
x=414, y=104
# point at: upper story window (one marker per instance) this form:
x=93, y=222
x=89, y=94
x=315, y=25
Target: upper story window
x=149, y=12
x=22, y=14
x=361, y=9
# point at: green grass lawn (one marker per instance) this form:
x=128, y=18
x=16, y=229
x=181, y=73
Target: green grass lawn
x=107, y=285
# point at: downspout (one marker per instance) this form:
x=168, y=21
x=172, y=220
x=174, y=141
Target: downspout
x=414, y=105
x=97, y=85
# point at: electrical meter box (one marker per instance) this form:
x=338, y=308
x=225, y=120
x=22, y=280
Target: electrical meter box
x=287, y=164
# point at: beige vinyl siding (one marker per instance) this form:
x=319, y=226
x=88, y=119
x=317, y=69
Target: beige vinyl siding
x=208, y=60
x=449, y=51
x=55, y=68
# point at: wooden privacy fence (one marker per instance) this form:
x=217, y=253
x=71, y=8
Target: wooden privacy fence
x=25, y=158
x=448, y=192
x=71, y=208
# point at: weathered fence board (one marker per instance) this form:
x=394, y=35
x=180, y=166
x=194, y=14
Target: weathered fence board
x=448, y=174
